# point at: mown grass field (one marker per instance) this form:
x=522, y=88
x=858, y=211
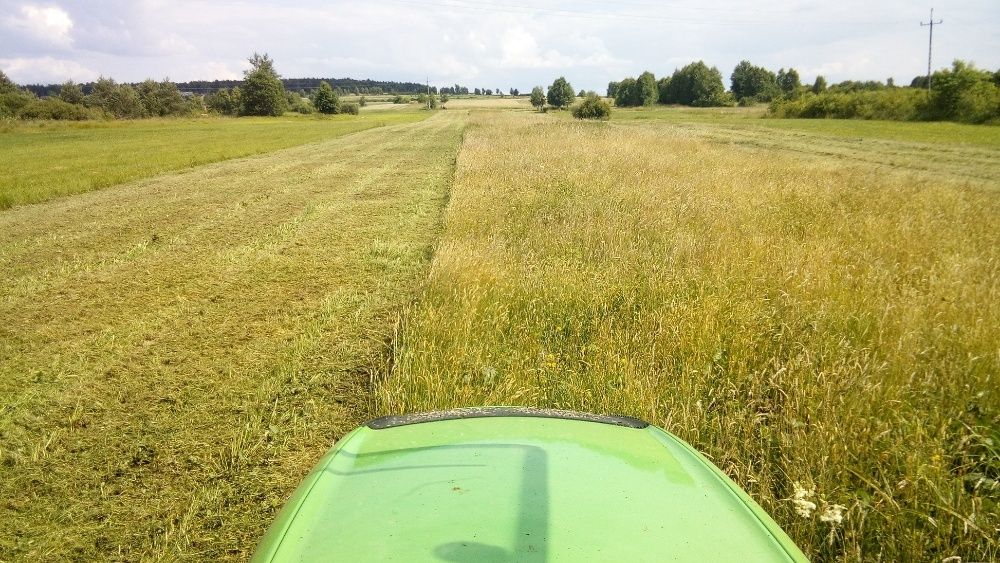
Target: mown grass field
x=42, y=160
x=814, y=310
x=176, y=353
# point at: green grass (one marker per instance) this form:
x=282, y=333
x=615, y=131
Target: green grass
x=43, y=160
x=810, y=323
x=176, y=353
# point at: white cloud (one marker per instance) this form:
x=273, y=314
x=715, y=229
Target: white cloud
x=49, y=24
x=490, y=43
x=46, y=70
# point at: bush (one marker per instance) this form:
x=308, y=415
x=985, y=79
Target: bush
x=592, y=107
x=964, y=93
x=901, y=104
x=12, y=102
x=401, y=100
x=350, y=107
x=54, y=108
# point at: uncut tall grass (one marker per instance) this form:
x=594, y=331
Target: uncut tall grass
x=810, y=325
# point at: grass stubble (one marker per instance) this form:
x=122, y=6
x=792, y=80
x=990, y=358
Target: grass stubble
x=825, y=330
x=43, y=160
x=176, y=353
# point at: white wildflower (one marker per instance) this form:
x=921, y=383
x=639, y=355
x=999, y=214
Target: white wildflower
x=833, y=513
x=803, y=506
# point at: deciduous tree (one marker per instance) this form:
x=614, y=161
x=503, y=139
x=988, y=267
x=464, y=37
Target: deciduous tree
x=537, y=97
x=262, y=92
x=325, y=100
x=561, y=93
x=646, y=92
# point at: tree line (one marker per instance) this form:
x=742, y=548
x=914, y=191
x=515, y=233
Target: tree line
x=106, y=99
x=961, y=93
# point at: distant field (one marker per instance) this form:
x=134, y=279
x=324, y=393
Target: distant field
x=942, y=132
x=176, y=353
x=39, y=161
x=489, y=102
x=810, y=321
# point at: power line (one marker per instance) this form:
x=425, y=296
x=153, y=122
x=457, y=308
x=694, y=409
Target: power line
x=930, y=45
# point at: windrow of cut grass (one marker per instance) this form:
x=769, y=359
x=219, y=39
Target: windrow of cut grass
x=47, y=159
x=828, y=333
x=176, y=353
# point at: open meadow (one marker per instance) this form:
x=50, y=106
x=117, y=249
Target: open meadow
x=813, y=305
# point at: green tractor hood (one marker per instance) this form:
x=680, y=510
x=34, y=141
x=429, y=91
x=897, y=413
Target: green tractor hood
x=515, y=484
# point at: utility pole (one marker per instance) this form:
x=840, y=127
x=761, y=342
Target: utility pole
x=930, y=45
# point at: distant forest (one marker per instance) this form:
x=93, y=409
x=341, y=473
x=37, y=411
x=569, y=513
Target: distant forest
x=340, y=85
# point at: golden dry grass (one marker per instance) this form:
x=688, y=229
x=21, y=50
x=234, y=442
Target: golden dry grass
x=176, y=353
x=809, y=322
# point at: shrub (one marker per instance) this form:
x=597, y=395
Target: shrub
x=964, y=93
x=55, y=108
x=592, y=107
x=899, y=104
x=12, y=101
x=350, y=107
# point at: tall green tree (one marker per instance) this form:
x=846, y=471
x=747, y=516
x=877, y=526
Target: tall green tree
x=612, y=89
x=819, y=86
x=625, y=94
x=663, y=89
x=6, y=84
x=160, y=98
x=646, y=92
x=71, y=93
x=325, y=100
x=753, y=82
x=561, y=93
x=697, y=85
x=537, y=97
x=262, y=92
x=789, y=82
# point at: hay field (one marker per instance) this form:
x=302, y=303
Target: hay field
x=176, y=353
x=815, y=309
x=826, y=327
x=47, y=159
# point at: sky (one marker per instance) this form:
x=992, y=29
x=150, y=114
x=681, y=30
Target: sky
x=487, y=43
